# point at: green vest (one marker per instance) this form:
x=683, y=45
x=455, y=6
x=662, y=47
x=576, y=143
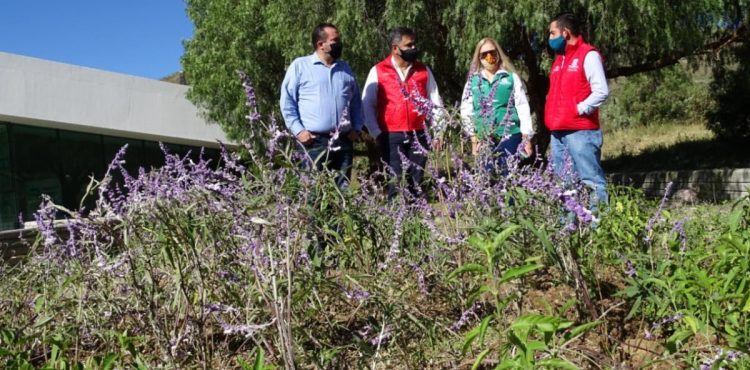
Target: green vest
x=480, y=90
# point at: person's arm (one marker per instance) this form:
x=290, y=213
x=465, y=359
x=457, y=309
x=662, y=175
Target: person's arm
x=370, y=103
x=438, y=111
x=522, y=107
x=355, y=107
x=467, y=110
x=594, y=70
x=288, y=101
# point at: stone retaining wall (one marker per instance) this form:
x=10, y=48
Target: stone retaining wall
x=708, y=185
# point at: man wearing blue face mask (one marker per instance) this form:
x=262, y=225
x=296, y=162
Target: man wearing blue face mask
x=578, y=87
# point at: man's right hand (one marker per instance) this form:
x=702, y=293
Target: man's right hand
x=305, y=137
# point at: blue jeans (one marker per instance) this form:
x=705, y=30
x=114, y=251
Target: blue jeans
x=584, y=147
x=339, y=161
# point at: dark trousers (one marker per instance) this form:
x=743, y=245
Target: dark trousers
x=338, y=158
x=501, y=150
x=413, y=146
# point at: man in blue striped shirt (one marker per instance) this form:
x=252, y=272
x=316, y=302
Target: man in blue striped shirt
x=321, y=104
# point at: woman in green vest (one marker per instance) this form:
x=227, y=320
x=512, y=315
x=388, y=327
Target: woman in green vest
x=494, y=108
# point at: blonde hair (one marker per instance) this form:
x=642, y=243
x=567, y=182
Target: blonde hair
x=476, y=65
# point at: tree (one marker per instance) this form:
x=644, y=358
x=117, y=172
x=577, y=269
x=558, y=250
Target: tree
x=262, y=37
x=731, y=118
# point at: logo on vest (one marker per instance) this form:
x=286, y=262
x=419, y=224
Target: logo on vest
x=505, y=81
x=573, y=67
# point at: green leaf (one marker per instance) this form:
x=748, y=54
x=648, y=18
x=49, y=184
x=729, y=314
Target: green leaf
x=746, y=306
x=692, y=323
x=658, y=282
x=483, y=328
x=43, y=321
x=580, y=329
x=503, y=236
x=544, y=323
x=678, y=337
x=469, y=339
x=416, y=321
x=517, y=272
x=469, y=267
x=480, y=358
x=260, y=361
x=109, y=361
x=557, y=363
x=539, y=233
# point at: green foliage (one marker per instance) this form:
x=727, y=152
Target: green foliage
x=688, y=286
x=666, y=95
x=730, y=119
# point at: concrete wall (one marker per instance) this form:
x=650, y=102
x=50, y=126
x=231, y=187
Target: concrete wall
x=710, y=185
x=56, y=95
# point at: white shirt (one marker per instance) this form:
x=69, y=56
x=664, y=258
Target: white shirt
x=519, y=96
x=594, y=70
x=370, y=99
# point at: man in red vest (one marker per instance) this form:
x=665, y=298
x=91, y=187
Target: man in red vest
x=400, y=96
x=578, y=87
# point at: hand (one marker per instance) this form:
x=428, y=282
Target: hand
x=528, y=148
x=476, y=145
x=437, y=145
x=305, y=137
x=353, y=135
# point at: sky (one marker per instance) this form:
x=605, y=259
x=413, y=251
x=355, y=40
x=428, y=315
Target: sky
x=136, y=37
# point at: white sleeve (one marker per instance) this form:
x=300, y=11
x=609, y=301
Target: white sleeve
x=522, y=106
x=592, y=66
x=438, y=111
x=370, y=103
x=467, y=110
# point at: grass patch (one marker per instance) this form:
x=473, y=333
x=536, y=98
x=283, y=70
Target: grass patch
x=670, y=146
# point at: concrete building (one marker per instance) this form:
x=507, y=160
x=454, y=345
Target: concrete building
x=61, y=124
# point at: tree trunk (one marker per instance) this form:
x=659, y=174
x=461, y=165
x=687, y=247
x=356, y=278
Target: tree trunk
x=537, y=86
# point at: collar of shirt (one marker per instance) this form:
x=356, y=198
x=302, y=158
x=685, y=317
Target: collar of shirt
x=315, y=59
x=401, y=74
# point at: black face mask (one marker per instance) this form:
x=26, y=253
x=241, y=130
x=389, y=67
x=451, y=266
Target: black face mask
x=409, y=55
x=336, y=50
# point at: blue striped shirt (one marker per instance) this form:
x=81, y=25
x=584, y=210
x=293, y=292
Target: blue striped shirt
x=314, y=96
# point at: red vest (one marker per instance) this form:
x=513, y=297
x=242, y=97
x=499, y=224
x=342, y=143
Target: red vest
x=395, y=111
x=568, y=87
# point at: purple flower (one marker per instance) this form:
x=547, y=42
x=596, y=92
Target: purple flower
x=247, y=329
x=657, y=215
x=647, y=334
x=45, y=220
x=679, y=228
x=252, y=101
x=356, y=294
x=420, y=279
x=465, y=316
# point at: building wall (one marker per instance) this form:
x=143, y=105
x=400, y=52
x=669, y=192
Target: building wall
x=56, y=95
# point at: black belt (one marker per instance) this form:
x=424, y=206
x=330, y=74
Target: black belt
x=328, y=134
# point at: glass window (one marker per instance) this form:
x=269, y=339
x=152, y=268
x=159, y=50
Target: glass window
x=8, y=205
x=82, y=158
x=133, y=153
x=152, y=155
x=37, y=167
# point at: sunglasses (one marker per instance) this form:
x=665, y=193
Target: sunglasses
x=484, y=54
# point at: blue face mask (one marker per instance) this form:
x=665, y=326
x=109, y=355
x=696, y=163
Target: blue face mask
x=557, y=44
